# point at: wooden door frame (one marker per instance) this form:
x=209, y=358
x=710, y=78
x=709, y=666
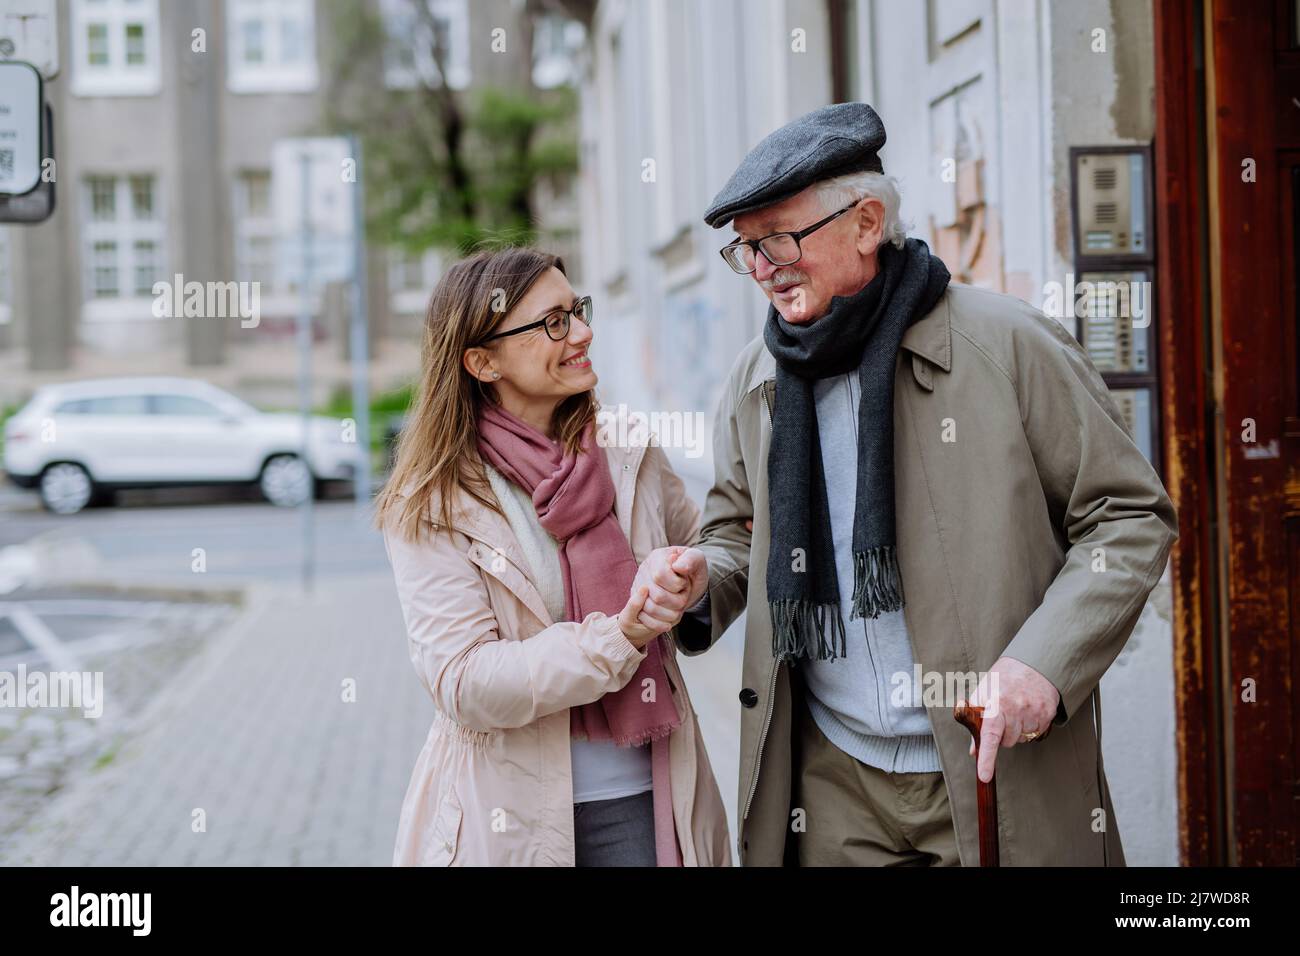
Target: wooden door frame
x=1223, y=359
x=1187, y=409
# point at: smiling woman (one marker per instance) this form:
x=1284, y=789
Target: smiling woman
x=564, y=733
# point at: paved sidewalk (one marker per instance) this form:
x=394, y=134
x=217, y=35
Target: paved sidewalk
x=256, y=735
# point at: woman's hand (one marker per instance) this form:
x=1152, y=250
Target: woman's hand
x=640, y=629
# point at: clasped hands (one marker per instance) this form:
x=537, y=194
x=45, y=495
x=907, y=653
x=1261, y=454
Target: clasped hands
x=668, y=582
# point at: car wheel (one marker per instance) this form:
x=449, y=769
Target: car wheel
x=286, y=481
x=66, y=488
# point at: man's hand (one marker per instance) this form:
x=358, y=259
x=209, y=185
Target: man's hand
x=1017, y=700
x=674, y=578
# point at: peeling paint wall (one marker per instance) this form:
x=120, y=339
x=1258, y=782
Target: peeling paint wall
x=1097, y=98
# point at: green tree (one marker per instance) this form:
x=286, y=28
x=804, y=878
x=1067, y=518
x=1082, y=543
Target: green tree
x=445, y=168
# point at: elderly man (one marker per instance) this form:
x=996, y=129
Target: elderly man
x=913, y=478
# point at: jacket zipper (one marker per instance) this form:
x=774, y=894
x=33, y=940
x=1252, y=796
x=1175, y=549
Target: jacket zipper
x=771, y=690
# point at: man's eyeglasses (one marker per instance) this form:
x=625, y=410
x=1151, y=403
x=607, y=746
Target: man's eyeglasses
x=780, y=248
x=556, y=323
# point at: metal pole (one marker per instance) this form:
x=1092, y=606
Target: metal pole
x=304, y=330
x=360, y=334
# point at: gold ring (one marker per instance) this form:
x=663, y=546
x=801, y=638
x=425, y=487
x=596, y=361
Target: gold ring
x=1030, y=737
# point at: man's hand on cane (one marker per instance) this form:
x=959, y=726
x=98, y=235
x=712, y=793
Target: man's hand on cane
x=1019, y=706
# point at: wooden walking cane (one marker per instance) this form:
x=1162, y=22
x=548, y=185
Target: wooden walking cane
x=972, y=718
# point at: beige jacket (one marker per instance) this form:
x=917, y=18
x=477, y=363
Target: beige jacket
x=492, y=784
x=999, y=530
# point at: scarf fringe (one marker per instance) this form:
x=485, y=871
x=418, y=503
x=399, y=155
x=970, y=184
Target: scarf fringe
x=795, y=623
x=877, y=582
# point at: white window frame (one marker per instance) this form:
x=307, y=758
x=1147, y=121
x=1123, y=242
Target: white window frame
x=402, y=22
x=115, y=78
x=276, y=299
x=125, y=231
x=249, y=227
x=404, y=301
x=557, y=42
x=272, y=75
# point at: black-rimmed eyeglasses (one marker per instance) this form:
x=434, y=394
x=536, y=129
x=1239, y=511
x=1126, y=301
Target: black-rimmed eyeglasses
x=556, y=323
x=780, y=248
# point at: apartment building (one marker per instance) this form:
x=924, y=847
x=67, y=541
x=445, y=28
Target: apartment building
x=166, y=114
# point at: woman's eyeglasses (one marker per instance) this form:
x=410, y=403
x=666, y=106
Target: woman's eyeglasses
x=556, y=323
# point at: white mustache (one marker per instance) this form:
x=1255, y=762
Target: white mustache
x=781, y=277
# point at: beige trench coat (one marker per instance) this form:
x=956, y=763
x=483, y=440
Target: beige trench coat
x=999, y=529
x=492, y=784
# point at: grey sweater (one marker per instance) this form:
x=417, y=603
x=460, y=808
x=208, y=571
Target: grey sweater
x=850, y=696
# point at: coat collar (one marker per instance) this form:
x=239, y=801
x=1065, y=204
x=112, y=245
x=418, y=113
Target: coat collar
x=929, y=338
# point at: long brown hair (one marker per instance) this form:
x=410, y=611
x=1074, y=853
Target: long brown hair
x=437, y=451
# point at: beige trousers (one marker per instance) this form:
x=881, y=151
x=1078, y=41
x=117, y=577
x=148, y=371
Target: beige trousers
x=859, y=815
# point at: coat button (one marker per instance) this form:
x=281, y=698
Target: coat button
x=748, y=697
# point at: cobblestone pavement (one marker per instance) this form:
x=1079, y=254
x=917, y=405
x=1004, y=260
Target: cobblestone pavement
x=258, y=744
x=128, y=646
x=258, y=737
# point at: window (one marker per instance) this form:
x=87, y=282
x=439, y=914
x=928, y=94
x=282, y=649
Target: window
x=254, y=229
x=119, y=405
x=78, y=406
x=123, y=236
x=272, y=46
x=411, y=278
x=408, y=56
x=183, y=405
x=556, y=42
x=115, y=48
x=107, y=405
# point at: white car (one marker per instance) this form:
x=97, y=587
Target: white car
x=79, y=441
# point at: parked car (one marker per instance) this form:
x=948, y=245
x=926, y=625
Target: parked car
x=79, y=441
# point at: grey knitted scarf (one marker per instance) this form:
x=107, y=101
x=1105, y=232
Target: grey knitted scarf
x=862, y=330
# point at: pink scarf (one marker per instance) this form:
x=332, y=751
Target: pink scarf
x=574, y=498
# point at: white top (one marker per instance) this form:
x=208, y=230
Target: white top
x=601, y=769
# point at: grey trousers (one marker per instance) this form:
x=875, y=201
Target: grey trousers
x=618, y=832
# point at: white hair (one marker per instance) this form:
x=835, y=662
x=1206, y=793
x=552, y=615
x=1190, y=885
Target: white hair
x=838, y=192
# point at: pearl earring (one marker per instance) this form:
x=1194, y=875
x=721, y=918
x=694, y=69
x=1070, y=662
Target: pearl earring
x=496, y=374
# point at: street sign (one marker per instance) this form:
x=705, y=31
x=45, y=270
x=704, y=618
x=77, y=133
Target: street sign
x=325, y=162
x=22, y=102
x=29, y=32
x=37, y=205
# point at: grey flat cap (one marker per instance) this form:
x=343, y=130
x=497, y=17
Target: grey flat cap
x=831, y=141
